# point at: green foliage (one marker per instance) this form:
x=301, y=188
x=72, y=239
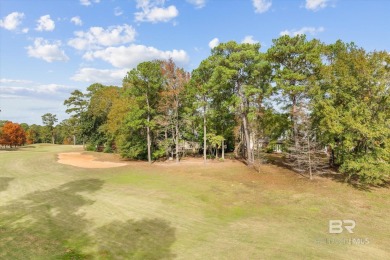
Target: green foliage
x=366, y=170
x=241, y=95
x=296, y=63
x=132, y=148
x=49, y=120
x=242, y=79
x=215, y=140
x=142, y=86
x=351, y=107
x=159, y=153
x=93, y=122
x=108, y=148
x=76, y=103
x=273, y=124
x=91, y=147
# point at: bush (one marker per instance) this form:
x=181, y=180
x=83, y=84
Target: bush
x=107, y=149
x=91, y=147
x=132, y=149
x=158, y=153
x=366, y=170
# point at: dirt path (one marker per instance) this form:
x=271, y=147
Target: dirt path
x=85, y=161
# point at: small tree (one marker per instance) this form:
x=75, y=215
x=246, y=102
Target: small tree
x=49, y=120
x=305, y=153
x=216, y=142
x=76, y=104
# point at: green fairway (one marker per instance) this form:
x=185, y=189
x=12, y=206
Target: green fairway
x=222, y=210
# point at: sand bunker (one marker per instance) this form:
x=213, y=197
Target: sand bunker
x=85, y=161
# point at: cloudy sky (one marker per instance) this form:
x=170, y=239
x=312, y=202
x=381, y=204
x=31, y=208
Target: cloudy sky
x=49, y=48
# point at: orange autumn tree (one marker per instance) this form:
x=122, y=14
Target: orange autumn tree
x=12, y=134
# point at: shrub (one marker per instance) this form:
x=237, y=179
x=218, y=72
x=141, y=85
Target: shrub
x=366, y=170
x=107, y=149
x=90, y=147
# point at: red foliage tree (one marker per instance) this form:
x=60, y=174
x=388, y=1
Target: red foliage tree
x=12, y=134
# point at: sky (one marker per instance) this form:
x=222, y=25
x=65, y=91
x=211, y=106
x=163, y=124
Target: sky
x=48, y=48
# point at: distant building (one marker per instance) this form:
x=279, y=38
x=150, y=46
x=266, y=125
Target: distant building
x=264, y=143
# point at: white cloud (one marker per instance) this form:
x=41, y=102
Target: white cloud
x=261, y=6
x=316, y=5
x=88, y=2
x=52, y=88
x=197, y=3
x=25, y=30
x=27, y=101
x=76, y=20
x=303, y=30
x=213, y=43
x=118, y=11
x=33, y=89
x=14, y=81
x=157, y=14
x=97, y=37
x=249, y=39
x=154, y=11
x=44, y=23
x=107, y=76
x=12, y=21
x=132, y=55
x=47, y=51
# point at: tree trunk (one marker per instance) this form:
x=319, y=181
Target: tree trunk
x=294, y=119
x=74, y=139
x=247, y=140
x=148, y=139
x=331, y=157
x=295, y=126
x=245, y=126
x=166, y=142
x=237, y=149
x=204, y=135
x=52, y=138
x=308, y=150
x=174, y=140
x=223, y=149
x=149, y=143
x=177, y=141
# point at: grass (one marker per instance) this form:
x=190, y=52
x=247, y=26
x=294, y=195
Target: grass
x=223, y=210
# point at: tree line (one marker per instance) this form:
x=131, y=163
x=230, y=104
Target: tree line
x=15, y=134
x=309, y=96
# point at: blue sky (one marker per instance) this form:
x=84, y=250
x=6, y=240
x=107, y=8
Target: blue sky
x=50, y=47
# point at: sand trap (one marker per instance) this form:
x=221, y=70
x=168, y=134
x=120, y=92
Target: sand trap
x=85, y=161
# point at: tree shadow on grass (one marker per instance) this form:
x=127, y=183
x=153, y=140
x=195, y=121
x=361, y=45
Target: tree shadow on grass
x=4, y=183
x=332, y=174
x=341, y=178
x=47, y=225
x=144, y=239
